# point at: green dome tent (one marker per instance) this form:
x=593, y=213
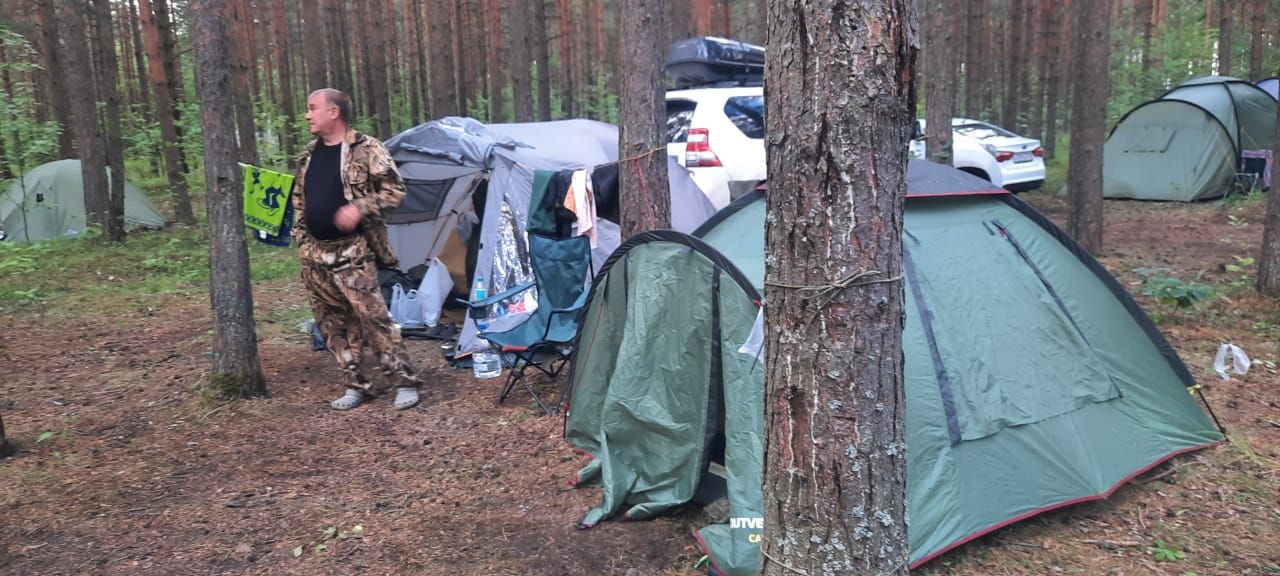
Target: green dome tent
x=1187, y=145
x=1026, y=362
x=48, y=202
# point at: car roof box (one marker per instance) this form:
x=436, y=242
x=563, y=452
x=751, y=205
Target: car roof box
x=707, y=61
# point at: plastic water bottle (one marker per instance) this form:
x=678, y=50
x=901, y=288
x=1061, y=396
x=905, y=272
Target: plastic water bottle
x=485, y=360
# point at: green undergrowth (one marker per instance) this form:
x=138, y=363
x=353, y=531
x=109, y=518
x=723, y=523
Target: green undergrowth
x=88, y=276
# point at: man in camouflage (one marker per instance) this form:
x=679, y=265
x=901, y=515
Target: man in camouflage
x=345, y=181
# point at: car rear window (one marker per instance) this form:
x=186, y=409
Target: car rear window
x=679, y=116
x=982, y=131
x=747, y=113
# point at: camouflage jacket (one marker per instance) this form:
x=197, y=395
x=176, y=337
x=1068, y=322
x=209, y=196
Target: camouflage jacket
x=371, y=183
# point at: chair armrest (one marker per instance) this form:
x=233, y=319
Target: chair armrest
x=490, y=301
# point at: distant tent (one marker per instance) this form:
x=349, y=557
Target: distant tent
x=1032, y=379
x=1187, y=145
x=468, y=191
x=1271, y=85
x=48, y=202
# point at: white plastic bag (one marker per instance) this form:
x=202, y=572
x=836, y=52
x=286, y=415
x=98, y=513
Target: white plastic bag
x=397, y=300
x=410, y=314
x=1239, y=361
x=434, y=290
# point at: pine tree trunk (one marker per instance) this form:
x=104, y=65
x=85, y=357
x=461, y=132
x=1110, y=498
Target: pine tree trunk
x=681, y=23
x=421, y=70
x=339, y=54
x=835, y=468
x=940, y=97
x=564, y=21
x=1268, y=281
x=496, y=24
x=518, y=61
x=173, y=164
x=313, y=24
x=241, y=87
x=1224, y=37
x=120, y=30
x=86, y=125
x=542, y=53
x=642, y=142
x=5, y=171
x=364, y=58
x=1090, y=90
x=113, y=142
x=378, y=74
x=413, y=52
x=1013, y=72
x=1256, y=42
x=249, y=33
x=444, y=95
x=284, y=69
x=47, y=22
x=236, y=370
x=1053, y=89
x=975, y=52
x=144, y=85
x=1042, y=55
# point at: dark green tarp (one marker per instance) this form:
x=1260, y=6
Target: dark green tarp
x=1033, y=380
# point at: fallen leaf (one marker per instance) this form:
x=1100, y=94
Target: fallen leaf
x=297, y=552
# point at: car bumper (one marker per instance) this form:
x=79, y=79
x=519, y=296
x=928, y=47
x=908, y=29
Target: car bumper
x=1019, y=177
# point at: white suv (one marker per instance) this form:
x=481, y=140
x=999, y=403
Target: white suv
x=988, y=151
x=718, y=134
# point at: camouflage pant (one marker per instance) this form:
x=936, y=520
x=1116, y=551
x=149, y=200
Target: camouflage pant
x=342, y=284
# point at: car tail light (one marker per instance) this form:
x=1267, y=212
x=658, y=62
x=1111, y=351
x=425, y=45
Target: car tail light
x=1038, y=153
x=1003, y=155
x=697, y=152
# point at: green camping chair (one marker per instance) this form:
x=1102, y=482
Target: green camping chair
x=544, y=341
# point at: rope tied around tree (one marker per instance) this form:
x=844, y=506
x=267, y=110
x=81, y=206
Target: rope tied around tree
x=633, y=164
x=829, y=291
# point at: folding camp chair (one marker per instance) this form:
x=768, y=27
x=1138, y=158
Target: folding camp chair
x=544, y=341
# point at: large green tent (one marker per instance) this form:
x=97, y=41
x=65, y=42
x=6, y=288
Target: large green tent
x=48, y=202
x=1033, y=380
x=1187, y=144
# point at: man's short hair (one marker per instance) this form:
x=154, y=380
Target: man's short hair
x=341, y=100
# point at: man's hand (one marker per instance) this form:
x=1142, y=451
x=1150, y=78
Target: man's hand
x=347, y=218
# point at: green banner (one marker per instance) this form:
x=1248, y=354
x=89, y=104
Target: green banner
x=266, y=195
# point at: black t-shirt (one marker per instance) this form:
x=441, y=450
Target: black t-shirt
x=323, y=192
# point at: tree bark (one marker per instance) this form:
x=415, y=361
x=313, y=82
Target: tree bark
x=681, y=23
x=1224, y=37
x=6, y=172
x=377, y=70
x=284, y=69
x=496, y=24
x=113, y=141
x=518, y=64
x=444, y=95
x=172, y=66
x=568, y=84
x=173, y=163
x=1053, y=43
x=144, y=86
x=241, y=85
x=339, y=56
x=1042, y=56
x=421, y=44
x=940, y=97
x=542, y=53
x=236, y=370
x=975, y=52
x=47, y=22
x=1268, y=281
x=1143, y=18
x=313, y=23
x=1256, y=41
x=642, y=169
x=5, y=448
x=1091, y=88
x=1016, y=70
x=413, y=39
x=83, y=95
x=835, y=468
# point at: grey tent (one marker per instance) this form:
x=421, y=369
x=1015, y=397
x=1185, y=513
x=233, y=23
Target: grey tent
x=48, y=202
x=1187, y=144
x=469, y=185
x=1271, y=86
x=1032, y=379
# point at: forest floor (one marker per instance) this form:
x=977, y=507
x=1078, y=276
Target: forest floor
x=126, y=467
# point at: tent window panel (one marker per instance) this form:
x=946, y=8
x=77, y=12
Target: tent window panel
x=1012, y=355
x=1152, y=140
x=423, y=200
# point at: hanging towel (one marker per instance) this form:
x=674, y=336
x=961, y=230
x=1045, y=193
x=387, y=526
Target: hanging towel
x=266, y=198
x=286, y=229
x=581, y=201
